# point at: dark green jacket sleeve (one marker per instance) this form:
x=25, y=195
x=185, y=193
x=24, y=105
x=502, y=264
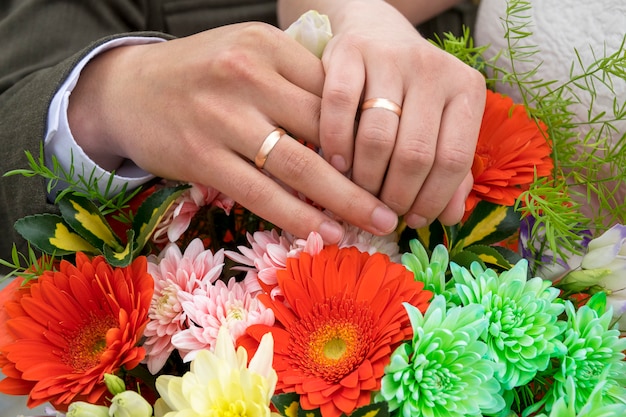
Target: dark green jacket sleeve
x=42, y=40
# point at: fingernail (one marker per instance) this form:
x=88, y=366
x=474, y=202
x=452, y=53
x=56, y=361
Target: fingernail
x=339, y=163
x=414, y=221
x=384, y=219
x=331, y=232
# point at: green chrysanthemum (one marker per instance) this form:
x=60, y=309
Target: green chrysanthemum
x=432, y=272
x=594, y=356
x=522, y=313
x=594, y=407
x=443, y=371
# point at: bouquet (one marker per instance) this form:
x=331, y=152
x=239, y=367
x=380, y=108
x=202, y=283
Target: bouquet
x=173, y=300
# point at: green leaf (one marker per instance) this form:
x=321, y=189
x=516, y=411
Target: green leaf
x=432, y=235
x=51, y=234
x=120, y=259
x=309, y=413
x=372, y=410
x=597, y=302
x=287, y=404
x=492, y=256
x=465, y=259
x=150, y=214
x=488, y=223
x=86, y=219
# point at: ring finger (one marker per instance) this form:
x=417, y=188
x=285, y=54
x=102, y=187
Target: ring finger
x=376, y=136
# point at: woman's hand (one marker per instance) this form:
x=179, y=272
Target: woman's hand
x=198, y=109
x=418, y=162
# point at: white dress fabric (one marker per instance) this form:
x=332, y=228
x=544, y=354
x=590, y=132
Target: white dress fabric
x=559, y=29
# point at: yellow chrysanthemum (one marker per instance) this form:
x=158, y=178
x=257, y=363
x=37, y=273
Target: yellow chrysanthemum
x=221, y=383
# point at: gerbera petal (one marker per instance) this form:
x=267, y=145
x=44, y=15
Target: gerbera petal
x=342, y=317
x=497, y=168
x=96, y=333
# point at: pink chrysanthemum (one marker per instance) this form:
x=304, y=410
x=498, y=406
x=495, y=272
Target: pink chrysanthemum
x=221, y=305
x=179, y=215
x=175, y=274
x=268, y=253
x=367, y=242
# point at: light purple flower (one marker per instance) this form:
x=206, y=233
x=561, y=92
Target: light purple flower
x=544, y=263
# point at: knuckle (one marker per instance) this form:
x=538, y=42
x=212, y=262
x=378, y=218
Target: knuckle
x=475, y=83
x=339, y=96
x=397, y=205
x=257, y=34
x=255, y=194
x=376, y=137
x=233, y=63
x=296, y=165
x=416, y=155
x=455, y=160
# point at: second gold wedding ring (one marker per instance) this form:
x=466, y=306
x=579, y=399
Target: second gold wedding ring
x=266, y=147
x=382, y=103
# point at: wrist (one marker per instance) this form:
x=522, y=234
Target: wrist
x=91, y=109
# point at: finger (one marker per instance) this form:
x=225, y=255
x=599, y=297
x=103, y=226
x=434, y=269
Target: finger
x=377, y=129
x=296, y=98
x=294, y=109
x=267, y=199
x=455, y=153
x=345, y=78
x=289, y=106
x=299, y=66
x=415, y=149
x=272, y=74
x=304, y=170
x=454, y=211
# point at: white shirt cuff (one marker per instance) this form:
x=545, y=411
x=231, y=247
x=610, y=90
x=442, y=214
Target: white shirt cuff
x=60, y=142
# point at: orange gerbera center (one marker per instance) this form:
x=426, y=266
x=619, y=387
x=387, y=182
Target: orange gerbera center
x=333, y=340
x=86, y=345
x=341, y=318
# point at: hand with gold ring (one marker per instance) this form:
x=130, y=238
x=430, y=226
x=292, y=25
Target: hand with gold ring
x=266, y=147
x=381, y=103
x=418, y=109
x=212, y=113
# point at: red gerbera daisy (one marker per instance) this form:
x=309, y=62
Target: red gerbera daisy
x=72, y=326
x=511, y=147
x=343, y=316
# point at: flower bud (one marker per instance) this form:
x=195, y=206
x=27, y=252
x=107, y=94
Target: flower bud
x=606, y=256
x=83, y=409
x=312, y=30
x=581, y=280
x=114, y=383
x=129, y=404
x=607, y=251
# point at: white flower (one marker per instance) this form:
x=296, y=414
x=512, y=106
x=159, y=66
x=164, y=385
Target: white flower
x=604, y=265
x=608, y=252
x=312, y=30
x=84, y=409
x=129, y=404
x=367, y=242
x=221, y=383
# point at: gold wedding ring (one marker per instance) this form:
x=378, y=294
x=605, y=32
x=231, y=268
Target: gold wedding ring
x=266, y=147
x=381, y=103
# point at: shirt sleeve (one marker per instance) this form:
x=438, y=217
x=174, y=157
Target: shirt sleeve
x=60, y=143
